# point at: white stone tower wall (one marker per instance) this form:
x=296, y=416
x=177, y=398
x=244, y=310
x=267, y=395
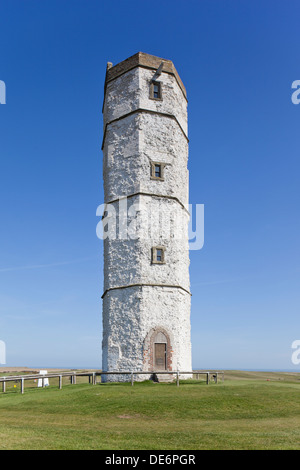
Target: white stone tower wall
x=140, y=298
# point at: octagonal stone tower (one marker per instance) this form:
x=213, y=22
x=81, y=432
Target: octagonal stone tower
x=146, y=299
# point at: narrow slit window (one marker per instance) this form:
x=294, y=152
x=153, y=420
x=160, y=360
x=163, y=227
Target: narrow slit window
x=155, y=91
x=157, y=171
x=158, y=255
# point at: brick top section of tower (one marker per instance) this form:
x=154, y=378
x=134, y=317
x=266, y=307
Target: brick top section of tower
x=146, y=61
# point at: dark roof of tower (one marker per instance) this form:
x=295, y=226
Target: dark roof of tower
x=142, y=60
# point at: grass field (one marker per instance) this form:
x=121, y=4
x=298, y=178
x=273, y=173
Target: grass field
x=247, y=411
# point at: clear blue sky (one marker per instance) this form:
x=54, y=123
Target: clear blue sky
x=237, y=60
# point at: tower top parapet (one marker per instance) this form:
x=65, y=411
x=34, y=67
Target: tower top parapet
x=141, y=59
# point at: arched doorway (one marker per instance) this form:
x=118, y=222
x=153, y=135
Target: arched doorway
x=158, y=350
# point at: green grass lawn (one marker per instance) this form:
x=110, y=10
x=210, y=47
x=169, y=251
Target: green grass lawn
x=246, y=411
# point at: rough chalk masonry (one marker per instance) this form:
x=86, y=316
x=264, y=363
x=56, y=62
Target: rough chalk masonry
x=146, y=304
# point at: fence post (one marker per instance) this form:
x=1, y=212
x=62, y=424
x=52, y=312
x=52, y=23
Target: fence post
x=207, y=378
x=60, y=382
x=177, y=379
x=22, y=385
x=4, y=386
x=132, y=379
x=94, y=378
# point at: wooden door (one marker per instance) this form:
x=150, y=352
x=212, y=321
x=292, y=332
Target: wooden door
x=160, y=350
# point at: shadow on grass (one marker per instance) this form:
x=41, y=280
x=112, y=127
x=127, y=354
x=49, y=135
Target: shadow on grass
x=157, y=384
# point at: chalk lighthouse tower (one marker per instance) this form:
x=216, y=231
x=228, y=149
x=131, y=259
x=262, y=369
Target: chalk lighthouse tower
x=146, y=298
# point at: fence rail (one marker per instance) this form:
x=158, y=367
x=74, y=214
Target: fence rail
x=93, y=376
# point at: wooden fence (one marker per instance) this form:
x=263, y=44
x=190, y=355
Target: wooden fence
x=92, y=376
